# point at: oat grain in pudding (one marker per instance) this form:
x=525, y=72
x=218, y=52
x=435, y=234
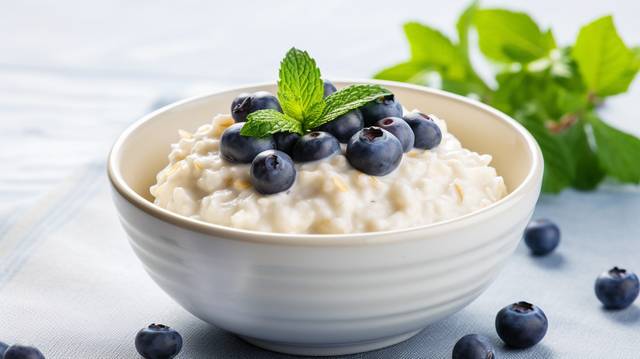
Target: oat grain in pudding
x=328, y=196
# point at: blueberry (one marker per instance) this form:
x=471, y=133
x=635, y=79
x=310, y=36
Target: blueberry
x=399, y=128
x=617, y=288
x=542, y=236
x=22, y=352
x=521, y=325
x=3, y=348
x=427, y=133
x=285, y=141
x=240, y=107
x=344, y=126
x=374, y=151
x=473, y=346
x=272, y=171
x=237, y=148
x=385, y=106
x=329, y=88
x=158, y=341
x=246, y=103
x=314, y=146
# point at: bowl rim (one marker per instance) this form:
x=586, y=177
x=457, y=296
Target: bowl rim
x=532, y=181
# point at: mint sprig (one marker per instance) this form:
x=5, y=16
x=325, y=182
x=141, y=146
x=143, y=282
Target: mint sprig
x=300, y=93
x=266, y=122
x=300, y=87
x=347, y=99
x=554, y=91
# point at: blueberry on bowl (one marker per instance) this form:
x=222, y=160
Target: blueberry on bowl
x=22, y=352
x=542, y=236
x=158, y=341
x=272, y=171
x=245, y=103
x=329, y=88
x=473, y=346
x=285, y=141
x=374, y=151
x=427, y=133
x=399, y=128
x=242, y=149
x=521, y=325
x=240, y=107
x=315, y=146
x=344, y=126
x=617, y=288
x=385, y=106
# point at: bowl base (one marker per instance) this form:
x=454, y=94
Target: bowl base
x=330, y=349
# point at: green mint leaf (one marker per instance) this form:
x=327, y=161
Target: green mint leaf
x=404, y=72
x=266, y=122
x=618, y=151
x=300, y=88
x=559, y=167
x=472, y=84
x=550, y=39
x=432, y=48
x=606, y=64
x=465, y=88
x=508, y=36
x=345, y=100
x=588, y=172
x=462, y=26
x=433, y=52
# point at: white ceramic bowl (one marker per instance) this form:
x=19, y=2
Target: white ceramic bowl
x=325, y=294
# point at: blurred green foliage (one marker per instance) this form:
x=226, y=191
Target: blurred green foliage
x=554, y=91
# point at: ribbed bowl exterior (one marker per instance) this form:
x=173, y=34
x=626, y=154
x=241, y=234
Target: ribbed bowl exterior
x=327, y=296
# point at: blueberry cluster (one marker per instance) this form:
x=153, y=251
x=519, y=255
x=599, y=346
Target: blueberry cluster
x=522, y=325
x=376, y=135
x=616, y=288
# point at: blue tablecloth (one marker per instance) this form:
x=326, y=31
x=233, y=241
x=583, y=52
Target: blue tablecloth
x=71, y=285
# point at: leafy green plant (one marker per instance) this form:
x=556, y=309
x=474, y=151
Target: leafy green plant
x=554, y=91
x=300, y=93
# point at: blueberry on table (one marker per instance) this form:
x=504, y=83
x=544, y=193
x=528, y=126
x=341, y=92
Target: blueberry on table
x=285, y=141
x=3, y=348
x=473, y=346
x=314, y=146
x=617, y=288
x=427, y=133
x=344, y=126
x=246, y=103
x=22, y=352
x=242, y=149
x=399, y=128
x=385, y=106
x=521, y=325
x=542, y=236
x=374, y=151
x=272, y=171
x=158, y=341
x=329, y=88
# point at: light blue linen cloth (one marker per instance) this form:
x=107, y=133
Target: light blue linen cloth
x=70, y=284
